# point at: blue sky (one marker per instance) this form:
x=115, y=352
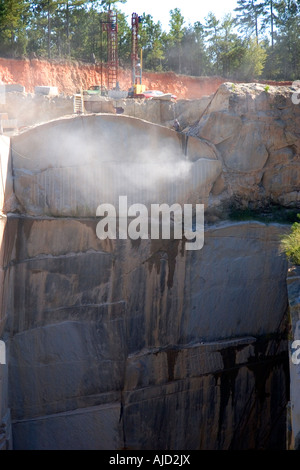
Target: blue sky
x=191, y=10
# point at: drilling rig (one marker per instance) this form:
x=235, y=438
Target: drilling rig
x=111, y=27
x=136, y=62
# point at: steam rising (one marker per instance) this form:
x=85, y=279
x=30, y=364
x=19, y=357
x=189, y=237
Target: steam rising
x=75, y=164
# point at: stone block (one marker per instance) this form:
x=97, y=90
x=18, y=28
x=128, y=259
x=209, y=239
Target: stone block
x=46, y=90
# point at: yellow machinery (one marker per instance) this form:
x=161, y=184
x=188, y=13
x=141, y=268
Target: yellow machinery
x=138, y=89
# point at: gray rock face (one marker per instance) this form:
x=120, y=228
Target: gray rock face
x=293, y=285
x=46, y=90
x=7, y=197
x=256, y=135
x=30, y=109
x=11, y=88
x=131, y=343
x=122, y=344
x=5, y=419
x=69, y=167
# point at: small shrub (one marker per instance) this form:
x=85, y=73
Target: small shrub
x=290, y=243
x=267, y=88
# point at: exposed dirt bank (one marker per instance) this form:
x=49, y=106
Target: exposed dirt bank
x=71, y=76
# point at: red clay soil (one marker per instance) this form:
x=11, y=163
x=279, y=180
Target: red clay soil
x=71, y=77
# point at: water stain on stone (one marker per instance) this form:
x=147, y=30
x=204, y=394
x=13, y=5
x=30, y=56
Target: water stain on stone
x=161, y=250
x=136, y=243
x=262, y=364
x=183, y=138
x=227, y=379
x=171, y=358
x=24, y=227
x=8, y=243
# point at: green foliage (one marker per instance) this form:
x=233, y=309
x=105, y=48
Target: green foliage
x=150, y=41
x=175, y=39
x=194, y=56
x=253, y=61
x=225, y=48
x=13, y=22
x=290, y=243
x=212, y=35
x=262, y=40
x=124, y=40
x=247, y=15
x=286, y=50
x=267, y=88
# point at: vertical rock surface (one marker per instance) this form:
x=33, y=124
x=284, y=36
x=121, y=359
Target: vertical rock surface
x=115, y=344
x=293, y=285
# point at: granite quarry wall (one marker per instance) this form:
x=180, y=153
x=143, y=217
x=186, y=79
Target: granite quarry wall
x=122, y=344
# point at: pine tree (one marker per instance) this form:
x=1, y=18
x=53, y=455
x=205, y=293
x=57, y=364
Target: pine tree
x=65, y=10
x=225, y=48
x=194, y=57
x=13, y=21
x=232, y=48
x=105, y=4
x=287, y=47
x=270, y=17
x=248, y=14
x=124, y=40
x=43, y=12
x=176, y=33
x=253, y=61
x=212, y=32
x=150, y=41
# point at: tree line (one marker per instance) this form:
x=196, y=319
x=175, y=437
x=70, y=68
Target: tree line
x=257, y=39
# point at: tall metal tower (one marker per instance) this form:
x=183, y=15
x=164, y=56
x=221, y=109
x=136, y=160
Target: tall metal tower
x=111, y=27
x=135, y=61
